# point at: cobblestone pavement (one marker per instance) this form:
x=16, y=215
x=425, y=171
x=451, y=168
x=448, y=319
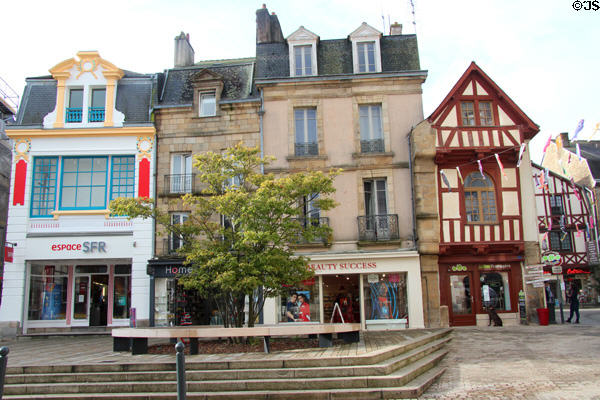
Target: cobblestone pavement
x=522, y=362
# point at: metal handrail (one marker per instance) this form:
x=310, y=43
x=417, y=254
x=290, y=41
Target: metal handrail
x=378, y=227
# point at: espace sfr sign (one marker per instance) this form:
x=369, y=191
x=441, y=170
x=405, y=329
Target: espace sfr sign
x=85, y=247
x=60, y=248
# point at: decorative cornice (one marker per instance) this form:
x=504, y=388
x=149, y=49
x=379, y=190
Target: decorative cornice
x=85, y=132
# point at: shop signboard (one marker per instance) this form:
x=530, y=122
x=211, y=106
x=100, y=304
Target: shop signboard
x=556, y=269
x=551, y=258
x=592, y=252
x=457, y=268
x=84, y=247
x=373, y=278
x=8, y=253
x=170, y=271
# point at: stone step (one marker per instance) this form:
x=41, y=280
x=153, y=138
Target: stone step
x=263, y=363
x=412, y=390
x=383, y=368
x=397, y=378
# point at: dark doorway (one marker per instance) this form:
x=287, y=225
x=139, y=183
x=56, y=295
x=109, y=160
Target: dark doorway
x=99, y=300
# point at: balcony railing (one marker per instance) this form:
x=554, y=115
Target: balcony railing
x=96, y=114
x=307, y=149
x=377, y=228
x=372, y=146
x=170, y=246
x=179, y=184
x=73, y=114
x=316, y=222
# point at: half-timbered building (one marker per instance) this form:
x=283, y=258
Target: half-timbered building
x=478, y=133
x=567, y=231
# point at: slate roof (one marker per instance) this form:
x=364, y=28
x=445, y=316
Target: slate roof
x=134, y=98
x=175, y=86
x=334, y=57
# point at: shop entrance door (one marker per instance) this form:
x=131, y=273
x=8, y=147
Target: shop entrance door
x=343, y=290
x=462, y=310
x=90, y=300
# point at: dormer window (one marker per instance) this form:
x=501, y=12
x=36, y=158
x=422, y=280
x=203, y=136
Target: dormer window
x=75, y=110
x=96, y=110
x=366, y=50
x=303, y=52
x=208, y=105
x=366, y=56
x=303, y=60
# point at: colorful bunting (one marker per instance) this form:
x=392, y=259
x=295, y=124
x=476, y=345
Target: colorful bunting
x=578, y=231
x=577, y=130
x=550, y=223
x=480, y=169
x=501, y=166
x=445, y=180
x=521, y=151
x=578, y=151
x=563, y=228
x=596, y=129
x=460, y=175
x=559, y=144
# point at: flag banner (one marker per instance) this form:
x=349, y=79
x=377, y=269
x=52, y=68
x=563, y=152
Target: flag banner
x=562, y=238
x=587, y=231
x=542, y=181
x=575, y=189
x=578, y=151
x=563, y=228
x=460, y=176
x=445, y=180
x=577, y=130
x=521, y=151
x=480, y=169
x=550, y=223
x=559, y=144
x=547, y=178
x=501, y=166
x=596, y=129
x=569, y=160
x=537, y=181
x=578, y=231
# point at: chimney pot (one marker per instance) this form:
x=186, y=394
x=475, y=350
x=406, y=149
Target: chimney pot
x=264, y=5
x=184, y=52
x=396, y=29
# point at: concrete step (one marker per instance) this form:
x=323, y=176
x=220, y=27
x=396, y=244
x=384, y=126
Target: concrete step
x=397, y=378
x=412, y=390
x=383, y=368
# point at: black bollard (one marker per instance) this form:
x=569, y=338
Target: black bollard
x=3, y=363
x=180, y=362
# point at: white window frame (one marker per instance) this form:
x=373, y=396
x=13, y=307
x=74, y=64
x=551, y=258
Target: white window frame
x=362, y=34
x=204, y=102
x=302, y=37
x=183, y=216
x=372, y=122
x=305, y=133
x=183, y=161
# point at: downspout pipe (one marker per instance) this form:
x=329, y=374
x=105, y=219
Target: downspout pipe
x=261, y=113
x=412, y=189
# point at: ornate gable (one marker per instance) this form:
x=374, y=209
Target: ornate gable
x=302, y=34
x=365, y=31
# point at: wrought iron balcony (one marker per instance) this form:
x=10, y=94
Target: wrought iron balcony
x=170, y=246
x=372, y=146
x=307, y=149
x=96, y=114
x=312, y=221
x=179, y=184
x=376, y=228
x=73, y=114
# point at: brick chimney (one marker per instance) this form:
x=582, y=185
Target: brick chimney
x=396, y=29
x=268, y=29
x=184, y=53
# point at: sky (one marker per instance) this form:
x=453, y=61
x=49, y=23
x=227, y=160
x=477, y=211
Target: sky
x=543, y=53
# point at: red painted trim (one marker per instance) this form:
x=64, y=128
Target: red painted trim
x=20, y=180
x=144, y=178
x=111, y=294
x=71, y=286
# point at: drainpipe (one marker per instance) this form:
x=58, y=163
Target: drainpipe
x=261, y=112
x=412, y=189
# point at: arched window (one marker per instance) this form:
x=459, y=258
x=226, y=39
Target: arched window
x=480, y=198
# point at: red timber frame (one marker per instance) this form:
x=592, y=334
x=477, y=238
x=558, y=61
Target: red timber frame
x=571, y=259
x=472, y=143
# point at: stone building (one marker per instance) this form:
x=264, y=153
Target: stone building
x=476, y=220
x=200, y=107
x=348, y=103
x=83, y=136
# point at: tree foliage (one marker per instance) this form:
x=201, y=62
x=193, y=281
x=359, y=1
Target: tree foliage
x=241, y=229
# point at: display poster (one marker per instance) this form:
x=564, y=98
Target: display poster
x=485, y=289
x=52, y=301
x=522, y=309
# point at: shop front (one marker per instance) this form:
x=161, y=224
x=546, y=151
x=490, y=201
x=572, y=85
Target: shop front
x=75, y=282
x=170, y=303
x=471, y=289
x=380, y=290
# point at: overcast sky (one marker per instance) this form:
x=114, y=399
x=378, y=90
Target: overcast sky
x=544, y=54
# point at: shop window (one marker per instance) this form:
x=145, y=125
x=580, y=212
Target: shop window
x=560, y=241
x=495, y=290
x=556, y=205
x=305, y=122
x=122, y=177
x=301, y=303
x=122, y=296
x=48, y=287
x=371, y=129
x=83, y=183
x=385, y=296
x=43, y=193
x=480, y=199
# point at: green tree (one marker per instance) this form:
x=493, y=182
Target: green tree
x=241, y=230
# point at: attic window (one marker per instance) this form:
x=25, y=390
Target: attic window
x=208, y=104
x=366, y=56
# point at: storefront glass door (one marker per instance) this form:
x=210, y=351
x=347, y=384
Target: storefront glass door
x=81, y=298
x=462, y=311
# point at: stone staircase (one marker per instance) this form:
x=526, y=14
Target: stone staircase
x=405, y=370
